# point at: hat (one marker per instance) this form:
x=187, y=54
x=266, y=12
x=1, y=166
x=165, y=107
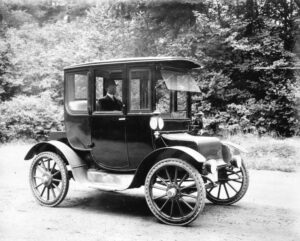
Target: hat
x=199, y=113
x=109, y=82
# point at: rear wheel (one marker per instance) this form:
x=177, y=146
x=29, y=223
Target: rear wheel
x=48, y=178
x=231, y=187
x=174, y=191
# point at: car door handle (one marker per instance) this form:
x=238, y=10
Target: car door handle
x=122, y=119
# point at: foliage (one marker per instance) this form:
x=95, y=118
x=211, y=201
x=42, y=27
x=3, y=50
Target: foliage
x=269, y=153
x=27, y=117
x=245, y=48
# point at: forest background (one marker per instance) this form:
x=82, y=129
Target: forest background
x=248, y=50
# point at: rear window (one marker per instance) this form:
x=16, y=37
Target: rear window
x=77, y=91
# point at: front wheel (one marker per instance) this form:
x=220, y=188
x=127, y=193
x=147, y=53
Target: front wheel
x=231, y=187
x=175, y=191
x=48, y=178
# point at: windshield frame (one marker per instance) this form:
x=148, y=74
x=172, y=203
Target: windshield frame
x=173, y=106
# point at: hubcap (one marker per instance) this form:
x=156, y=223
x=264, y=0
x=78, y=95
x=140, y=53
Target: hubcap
x=47, y=178
x=171, y=192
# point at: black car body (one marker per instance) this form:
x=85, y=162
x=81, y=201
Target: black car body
x=147, y=141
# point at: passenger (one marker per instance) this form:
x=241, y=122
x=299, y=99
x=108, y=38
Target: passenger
x=110, y=102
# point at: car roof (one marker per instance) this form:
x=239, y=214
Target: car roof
x=180, y=62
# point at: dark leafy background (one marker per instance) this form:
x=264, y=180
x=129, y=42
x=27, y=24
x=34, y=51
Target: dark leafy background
x=246, y=48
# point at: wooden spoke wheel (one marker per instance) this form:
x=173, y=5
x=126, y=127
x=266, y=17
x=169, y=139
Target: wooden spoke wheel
x=231, y=187
x=48, y=178
x=175, y=191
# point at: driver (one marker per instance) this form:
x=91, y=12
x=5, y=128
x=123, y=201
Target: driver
x=109, y=102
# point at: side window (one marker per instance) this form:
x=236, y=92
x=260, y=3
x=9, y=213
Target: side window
x=162, y=96
x=77, y=88
x=108, y=86
x=139, y=89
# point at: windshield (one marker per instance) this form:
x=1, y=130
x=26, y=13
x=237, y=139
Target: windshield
x=171, y=93
x=179, y=81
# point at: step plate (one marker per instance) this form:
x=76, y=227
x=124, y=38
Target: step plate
x=108, y=181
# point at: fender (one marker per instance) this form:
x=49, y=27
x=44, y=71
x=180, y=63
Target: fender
x=188, y=154
x=235, y=147
x=78, y=167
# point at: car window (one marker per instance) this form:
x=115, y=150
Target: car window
x=139, y=89
x=170, y=103
x=77, y=87
x=109, y=98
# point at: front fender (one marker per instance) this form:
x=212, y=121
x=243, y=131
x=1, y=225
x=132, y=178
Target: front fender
x=237, y=148
x=78, y=167
x=185, y=153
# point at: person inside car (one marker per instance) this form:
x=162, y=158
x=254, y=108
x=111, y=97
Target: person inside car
x=109, y=102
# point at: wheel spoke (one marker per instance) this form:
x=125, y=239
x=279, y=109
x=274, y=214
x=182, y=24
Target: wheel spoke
x=37, y=177
x=188, y=195
x=53, y=168
x=188, y=205
x=42, y=170
x=209, y=191
x=168, y=175
x=180, y=209
x=164, y=204
x=175, y=175
x=172, y=207
x=48, y=193
x=162, y=180
x=189, y=186
x=232, y=187
x=48, y=164
x=57, y=180
x=53, y=193
x=43, y=164
x=219, y=191
x=43, y=191
x=235, y=180
x=226, y=190
x=182, y=180
x=56, y=186
x=56, y=173
x=234, y=172
x=160, y=188
x=164, y=195
x=38, y=185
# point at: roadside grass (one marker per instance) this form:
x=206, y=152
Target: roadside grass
x=269, y=153
x=265, y=153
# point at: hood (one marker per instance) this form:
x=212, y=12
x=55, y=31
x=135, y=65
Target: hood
x=209, y=147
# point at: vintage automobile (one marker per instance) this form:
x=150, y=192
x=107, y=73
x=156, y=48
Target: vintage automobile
x=144, y=141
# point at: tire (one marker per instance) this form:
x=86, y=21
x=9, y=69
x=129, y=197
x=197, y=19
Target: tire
x=174, y=191
x=48, y=179
x=235, y=182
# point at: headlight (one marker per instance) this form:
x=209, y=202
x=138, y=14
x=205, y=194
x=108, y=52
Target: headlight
x=160, y=123
x=153, y=123
x=156, y=123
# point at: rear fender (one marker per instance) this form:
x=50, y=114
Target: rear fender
x=185, y=153
x=78, y=166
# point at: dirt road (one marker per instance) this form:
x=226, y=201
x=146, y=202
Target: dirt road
x=269, y=211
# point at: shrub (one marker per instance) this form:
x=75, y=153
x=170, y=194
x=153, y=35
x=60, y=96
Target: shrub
x=30, y=117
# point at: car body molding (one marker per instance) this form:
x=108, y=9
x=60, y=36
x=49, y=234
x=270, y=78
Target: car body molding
x=186, y=153
x=79, y=168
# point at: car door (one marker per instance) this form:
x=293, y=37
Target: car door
x=138, y=132
x=109, y=126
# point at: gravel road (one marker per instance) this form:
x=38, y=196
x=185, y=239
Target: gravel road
x=269, y=211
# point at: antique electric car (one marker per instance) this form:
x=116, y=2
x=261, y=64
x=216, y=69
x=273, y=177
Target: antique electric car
x=127, y=125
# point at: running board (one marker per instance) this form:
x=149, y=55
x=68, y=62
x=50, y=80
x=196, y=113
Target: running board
x=108, y=181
